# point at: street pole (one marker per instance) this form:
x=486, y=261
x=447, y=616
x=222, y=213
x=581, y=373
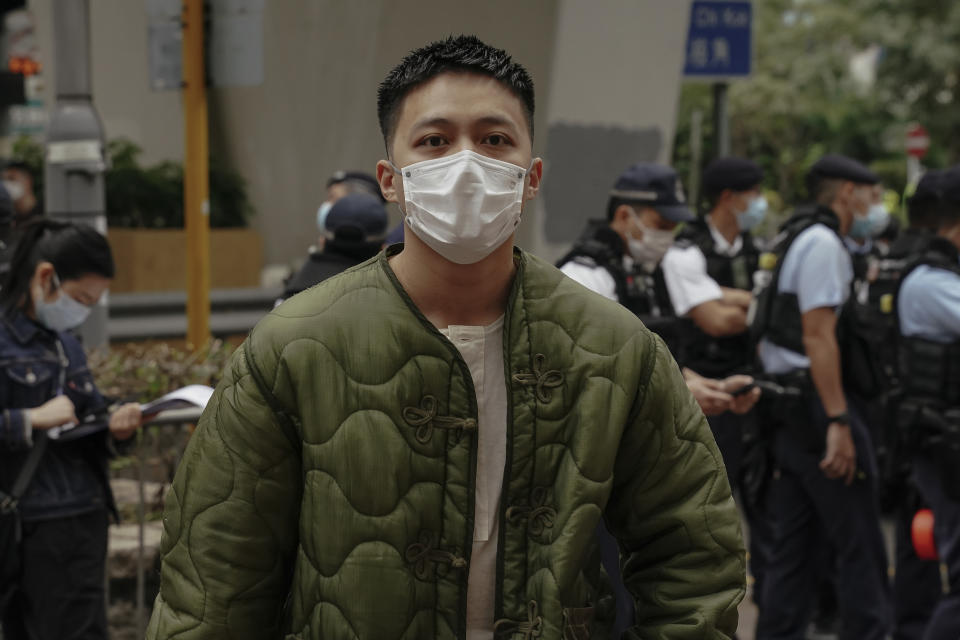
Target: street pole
x=721, y=119
x=74, y=161
x=914, y=170
x=696, y=155
x=196, y=177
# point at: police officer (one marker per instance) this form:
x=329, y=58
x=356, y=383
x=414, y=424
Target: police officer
x=708, y=274
x=916, y=583
x=928, y=306
x=354, y=230
x=6, y=231
x=619, y=257
x=826, y=471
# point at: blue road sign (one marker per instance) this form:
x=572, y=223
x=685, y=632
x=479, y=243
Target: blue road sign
x=719, y=40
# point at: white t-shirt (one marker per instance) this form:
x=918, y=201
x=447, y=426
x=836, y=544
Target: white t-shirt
x=482, y=350
x=685, y=272
x=818, y=269
x=593, y=277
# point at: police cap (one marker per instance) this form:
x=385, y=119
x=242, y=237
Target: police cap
x=737, y=174
x=834, y=166
x=656, y=186
x=950, y=186
x=364, y=181
x=358, y=217
x=928, y=189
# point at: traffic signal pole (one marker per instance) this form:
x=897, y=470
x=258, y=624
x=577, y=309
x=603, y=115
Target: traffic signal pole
x=74, y=160
x=196, y=176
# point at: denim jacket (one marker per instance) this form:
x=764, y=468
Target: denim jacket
x=71, y=478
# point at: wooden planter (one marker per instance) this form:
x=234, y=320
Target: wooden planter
x=155, y=259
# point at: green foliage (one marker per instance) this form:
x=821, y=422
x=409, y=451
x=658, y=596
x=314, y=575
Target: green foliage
x=152, y=196
x=803, y=101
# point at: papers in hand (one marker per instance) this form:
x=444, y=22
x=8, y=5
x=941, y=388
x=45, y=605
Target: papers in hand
x=70, y=431
x=194, y=395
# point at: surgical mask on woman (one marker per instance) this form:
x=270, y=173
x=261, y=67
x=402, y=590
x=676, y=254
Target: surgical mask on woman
x=63, y=314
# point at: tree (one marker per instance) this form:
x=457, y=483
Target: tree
x=803, y=100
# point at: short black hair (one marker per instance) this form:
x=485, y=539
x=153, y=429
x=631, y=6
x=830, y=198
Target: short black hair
x=466, y=54
x=614, y=203
x=75, y=250
x=824, y=190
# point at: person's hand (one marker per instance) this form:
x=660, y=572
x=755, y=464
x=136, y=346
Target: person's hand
x=840, y=460
x=53, y=413
x=744, y=402
x=125, y=421
x=708, y=393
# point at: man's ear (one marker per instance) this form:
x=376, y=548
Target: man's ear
x=534, y=179
x=389, y=187
x=621, y=219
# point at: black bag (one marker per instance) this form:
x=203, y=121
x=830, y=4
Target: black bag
x=10, y=526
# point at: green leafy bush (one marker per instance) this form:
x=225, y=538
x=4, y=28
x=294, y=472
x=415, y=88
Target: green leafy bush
x=152, y=196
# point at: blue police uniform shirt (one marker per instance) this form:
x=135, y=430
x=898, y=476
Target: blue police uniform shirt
x=818, y=269
x=929, y=305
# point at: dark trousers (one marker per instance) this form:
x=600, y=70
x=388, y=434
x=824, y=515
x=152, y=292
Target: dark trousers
x=916, y=582
x=610, y=557
x=945, y=623
x=729, y=431
x=61, y=591
x=801, y=503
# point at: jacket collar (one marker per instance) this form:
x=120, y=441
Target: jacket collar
x=21, y=327
x=944, y=248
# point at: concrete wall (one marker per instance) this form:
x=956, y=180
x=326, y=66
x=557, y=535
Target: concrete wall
x=607, y=76
x=616, y=69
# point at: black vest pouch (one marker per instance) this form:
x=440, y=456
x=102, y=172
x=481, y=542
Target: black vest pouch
x=786, y=322
x=948, y=453
x=793, y=413
x=859, y=362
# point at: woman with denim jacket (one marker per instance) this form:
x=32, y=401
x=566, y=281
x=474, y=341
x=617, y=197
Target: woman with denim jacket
x=48, y=399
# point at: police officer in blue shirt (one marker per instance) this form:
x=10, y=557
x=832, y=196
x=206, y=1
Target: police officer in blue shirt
x=826, y=476
x=928, y=304
x=916, y=582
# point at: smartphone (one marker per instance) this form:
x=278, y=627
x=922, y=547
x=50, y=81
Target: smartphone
x=747, y=388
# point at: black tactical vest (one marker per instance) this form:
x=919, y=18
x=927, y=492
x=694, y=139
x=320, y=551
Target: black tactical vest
x=868, y=331
x=775, y=315
x=930, y=371
x=705, y=354
x=645, y=294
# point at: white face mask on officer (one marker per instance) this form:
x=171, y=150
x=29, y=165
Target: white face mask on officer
x=650, y=249
x=463, y=206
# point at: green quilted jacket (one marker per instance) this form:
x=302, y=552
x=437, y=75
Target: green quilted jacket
x=328, y=492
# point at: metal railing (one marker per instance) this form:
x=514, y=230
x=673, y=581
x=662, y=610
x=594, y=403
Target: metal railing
x=175, y=417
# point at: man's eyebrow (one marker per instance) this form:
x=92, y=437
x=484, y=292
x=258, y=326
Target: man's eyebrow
x=429, y=122
x=439, y=121
x=497, y=121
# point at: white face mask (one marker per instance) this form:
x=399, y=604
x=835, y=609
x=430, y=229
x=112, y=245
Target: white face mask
x=14, y=188
x=649, y=250
x=463, y=206
x=322, y=216
x=63, y=314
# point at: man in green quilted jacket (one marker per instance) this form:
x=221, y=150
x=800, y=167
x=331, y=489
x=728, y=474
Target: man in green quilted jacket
x=424, y=445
